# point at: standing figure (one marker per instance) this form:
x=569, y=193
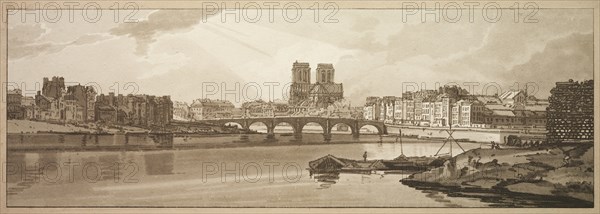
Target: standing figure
x=365, y=156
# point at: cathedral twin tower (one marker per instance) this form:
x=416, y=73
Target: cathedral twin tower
x=318, y=95
x=301, y=73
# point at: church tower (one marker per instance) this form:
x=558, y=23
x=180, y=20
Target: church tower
x=300, y=88
x=325, y=73
x=300, y=72
x=319, y=95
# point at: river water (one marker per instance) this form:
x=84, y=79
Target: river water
x=242, y=176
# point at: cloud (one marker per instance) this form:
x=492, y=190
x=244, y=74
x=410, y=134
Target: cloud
x=26, y=40
x=162, y=21
x=26, y=32
x=371, y=56
x=19, y=38
x=570, y=57
x=89, y=39
x=556, y=49
x=436, y=40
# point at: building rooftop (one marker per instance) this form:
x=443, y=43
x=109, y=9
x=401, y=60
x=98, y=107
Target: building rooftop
x=324, y=66
x=211, y=103
x=14, y=91
x=326, y=88
x=300, y=64
x=498, y=107
x=488, y=99
x=504, y=113
x=509, y=94
x=180, y=104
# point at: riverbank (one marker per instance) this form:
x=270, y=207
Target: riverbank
x=562, y=172
x=30, y=126
x=32, y=142
x=466, y=134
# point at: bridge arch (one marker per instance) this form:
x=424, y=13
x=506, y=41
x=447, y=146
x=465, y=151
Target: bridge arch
x=302, y=125
x=334, y=123
x=239, y=125
x=297, y=123
x=279, y=123
x=261, y=122
x=380, y=128
x=255, y=122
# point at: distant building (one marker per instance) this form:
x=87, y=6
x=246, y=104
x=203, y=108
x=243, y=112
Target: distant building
x=343, y=109
x=442, y=111
x=369, y=112
x=85, y=99
x=202, y=109
x=28, y=104
x=27, y=101
x=515, y=98
x=253, y=108
x=106, y=114
x=453, y=106
x=74, y=112
x=136, y=110
x=280, y=108
x=301, y=83
x=42, y=102
x=258, y=108
x=487, y=99
x=399, y=109
x=53, y=88
x=56, y=103
x=427, y=106
x=321, y=94
x=372, y=108
x=571, y=112
x=181, y=111
x=468, y=113
x=49, y=108
x=404, y=111
x=14, y=106
x=386, y=109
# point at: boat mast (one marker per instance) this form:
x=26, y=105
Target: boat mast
x=451, y=139
x=401, y=146
x=450, y=144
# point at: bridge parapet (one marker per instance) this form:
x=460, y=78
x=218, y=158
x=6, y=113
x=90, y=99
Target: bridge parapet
x=297, y=123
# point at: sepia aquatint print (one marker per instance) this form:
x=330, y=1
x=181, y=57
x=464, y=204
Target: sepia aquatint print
x=308, y=104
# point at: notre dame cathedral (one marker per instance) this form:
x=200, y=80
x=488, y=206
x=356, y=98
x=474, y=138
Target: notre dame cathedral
x=321, y=94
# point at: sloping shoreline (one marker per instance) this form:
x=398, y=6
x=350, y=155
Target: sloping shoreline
x=538, y=175
x=501, y=197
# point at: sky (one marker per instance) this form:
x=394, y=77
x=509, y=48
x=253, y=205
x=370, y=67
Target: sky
x=374, y=53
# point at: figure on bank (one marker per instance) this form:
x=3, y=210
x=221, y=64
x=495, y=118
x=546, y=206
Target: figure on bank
x=495, y=145
x=365, y=156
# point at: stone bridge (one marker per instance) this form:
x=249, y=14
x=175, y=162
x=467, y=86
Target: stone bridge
x=297, y=123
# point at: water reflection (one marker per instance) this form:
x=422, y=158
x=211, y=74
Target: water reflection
x=325, y=179
x=23, y=179
x=175, y=172
x=53, y=141
x=109, y=164
x=159, y=164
